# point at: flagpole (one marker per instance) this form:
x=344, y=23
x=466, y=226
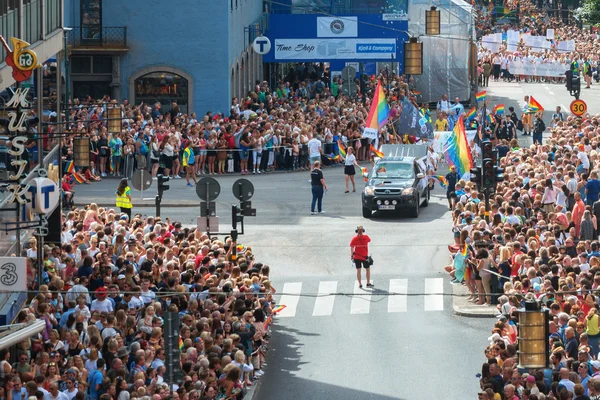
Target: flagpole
x=484, y=133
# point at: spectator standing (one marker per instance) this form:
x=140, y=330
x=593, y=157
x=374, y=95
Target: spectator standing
x=538, y=129
x=314, y=151
x=349, y=171
x=359, y=252
x=318, y=187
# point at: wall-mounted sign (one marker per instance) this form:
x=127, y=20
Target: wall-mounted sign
x=13, y=274
x=334, y=49
x=261, y=45
x=394, y=17
x=21, y=59
x=43, y=194
x=337, y=27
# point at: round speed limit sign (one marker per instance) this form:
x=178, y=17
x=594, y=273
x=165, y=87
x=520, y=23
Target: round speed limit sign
x=578, y=107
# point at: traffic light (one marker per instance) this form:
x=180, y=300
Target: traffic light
x=172, y=352
x=476, y=176
x=569, y=80
x=487, y=149
x=499, y=172
x=161, y=184
x=247, y=210
x=236, y=216
x=487, y=171
x=573, y=84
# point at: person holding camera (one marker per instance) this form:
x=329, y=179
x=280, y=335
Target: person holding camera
x=359, y=252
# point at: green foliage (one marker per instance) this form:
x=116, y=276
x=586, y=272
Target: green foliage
x=589, y=12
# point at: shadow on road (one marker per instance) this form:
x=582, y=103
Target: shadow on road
x=281, y=382
x=426, y=214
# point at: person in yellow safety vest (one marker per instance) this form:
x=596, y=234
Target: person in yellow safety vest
x=124, y=197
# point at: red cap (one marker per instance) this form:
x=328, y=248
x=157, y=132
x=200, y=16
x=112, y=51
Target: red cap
x=101, y=289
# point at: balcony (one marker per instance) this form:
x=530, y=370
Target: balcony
x=108, y=39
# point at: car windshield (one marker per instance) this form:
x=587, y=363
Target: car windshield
x=396, y=170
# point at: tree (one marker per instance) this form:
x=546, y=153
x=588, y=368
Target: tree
x=589, y=12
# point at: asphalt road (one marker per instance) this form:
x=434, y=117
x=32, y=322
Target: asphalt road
x=358, y=344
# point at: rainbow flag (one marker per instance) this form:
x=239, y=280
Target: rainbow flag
x=416, y=93
x=69, y=167
x=364, y=173
x=376, y=152
x=457, y=149
x=78, y=177
x=480, y=96
x=278, y=308
x=499, y=109
x=180, y=344
x=472, y=113
x=268, y=322
x=333, y=157
x=468, y=272
x=381, y=169
x=111, y=166
x=342, y=148
x=380, y=111
x=490, y=119
x=441, y=179
x=533, y=106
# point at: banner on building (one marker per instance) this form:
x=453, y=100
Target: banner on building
x=535, y=69
x=334, y=49
x=337, y=27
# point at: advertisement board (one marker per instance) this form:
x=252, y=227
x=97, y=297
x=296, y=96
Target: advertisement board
x=337, y=27
x=334, y=49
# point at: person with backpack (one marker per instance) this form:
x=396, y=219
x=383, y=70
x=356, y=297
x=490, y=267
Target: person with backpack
x=558, y=115
x=538, y=129
x=188, y=162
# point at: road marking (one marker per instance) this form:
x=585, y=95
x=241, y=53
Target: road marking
x=397, y=303
x=434, y=302
x=551, y=92
x=361, y=301
x=290, y=299
x=565, y=109
x=324, y=304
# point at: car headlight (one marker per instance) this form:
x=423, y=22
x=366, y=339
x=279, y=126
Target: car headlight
x=408, y=191
x=369, y=190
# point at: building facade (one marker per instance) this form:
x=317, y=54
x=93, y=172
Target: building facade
x=197, y=54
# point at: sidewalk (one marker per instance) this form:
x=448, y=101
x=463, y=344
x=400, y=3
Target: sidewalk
x=464, y=308
x=81, y=201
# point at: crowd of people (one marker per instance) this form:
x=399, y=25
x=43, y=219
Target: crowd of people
x=104, y=294
x=495, y=61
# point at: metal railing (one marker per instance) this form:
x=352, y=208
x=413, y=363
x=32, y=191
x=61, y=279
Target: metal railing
x=108, y=37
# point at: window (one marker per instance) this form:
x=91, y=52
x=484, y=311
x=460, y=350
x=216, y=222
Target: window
x=164, y=87
x=81, y=64
x=102, y=64
x=91, y=20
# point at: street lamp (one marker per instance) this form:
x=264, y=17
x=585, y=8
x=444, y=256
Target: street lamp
x=432, y=21
x=533, y=336
x=413, y=57
x=66, y=31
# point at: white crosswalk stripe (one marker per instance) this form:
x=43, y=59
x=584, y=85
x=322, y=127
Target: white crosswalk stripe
x=362, y=300
x=324, y=304
x=290, y=299
x=434, y=302
x=398, y=303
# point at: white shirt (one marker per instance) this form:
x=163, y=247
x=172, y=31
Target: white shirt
x=350, y=159
x=444, y=105
x=148, y=296
x=59, y=396
x=314, y=147
x=102, y=305
x=70, y=395
x=585, y=161
x=135, y=303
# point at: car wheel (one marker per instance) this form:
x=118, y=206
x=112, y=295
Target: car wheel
x=366, y=212
x=427, y=197
x=414, y=212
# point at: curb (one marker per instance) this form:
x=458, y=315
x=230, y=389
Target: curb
x=471, y=311
x=84, y=203
x=253, y=393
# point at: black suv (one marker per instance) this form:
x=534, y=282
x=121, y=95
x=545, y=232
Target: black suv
x=396, y=183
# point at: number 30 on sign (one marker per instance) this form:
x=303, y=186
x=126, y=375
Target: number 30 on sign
x=578, y=107
x=13, y=274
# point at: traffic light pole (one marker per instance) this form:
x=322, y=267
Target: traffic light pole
x=157, y=201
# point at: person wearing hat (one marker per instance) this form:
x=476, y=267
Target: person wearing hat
x=452, y=178
x=359, y=253
x=102, y=303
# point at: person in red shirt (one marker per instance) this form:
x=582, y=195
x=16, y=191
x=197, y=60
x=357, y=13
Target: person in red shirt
x=359, y=251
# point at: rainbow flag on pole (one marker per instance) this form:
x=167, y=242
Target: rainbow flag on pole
x=278, y=308
x=111, y=166
x=380, y=111
x=472, y=113
x=499, y=109
x=490, y=119
x=480, y=96
x=69, y=167
x=441, y=179
x=78, y=177
x=342, y=148
x=376, y=152
x=180, y=344
x=533, y=106
x=457, y=149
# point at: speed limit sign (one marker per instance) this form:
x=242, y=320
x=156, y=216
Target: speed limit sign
x=578, y=107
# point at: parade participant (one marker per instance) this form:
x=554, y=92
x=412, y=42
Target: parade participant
x=359, y=253
x=349, y=171
x=318, y=187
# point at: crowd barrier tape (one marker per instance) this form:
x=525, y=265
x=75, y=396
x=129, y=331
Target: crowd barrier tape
x=536, y=69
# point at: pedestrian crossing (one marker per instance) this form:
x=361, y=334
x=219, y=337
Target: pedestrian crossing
x=329, y=297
